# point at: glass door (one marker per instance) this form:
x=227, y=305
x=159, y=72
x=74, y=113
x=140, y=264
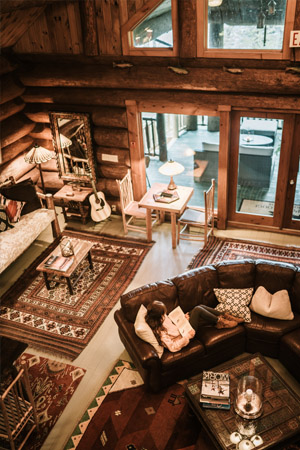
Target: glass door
x=264, y=170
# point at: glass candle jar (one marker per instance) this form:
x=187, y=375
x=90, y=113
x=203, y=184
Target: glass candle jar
x=248, y=401
x=66, y=247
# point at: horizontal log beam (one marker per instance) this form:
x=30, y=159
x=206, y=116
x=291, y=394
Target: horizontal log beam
x=110, y=155
x=113, y=172
x=11, y=151
x=111, y=137
x=15, y=128
x=138, y=77
x=10, y=108
x=41, y=131
x=117, y=97
x=110, y=117
x=37, y=115
x=10, y=89
x=108, y=187
x=16, y=168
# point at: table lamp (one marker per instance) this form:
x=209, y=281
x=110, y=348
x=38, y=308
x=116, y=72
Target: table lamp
x=38, y=155
x=170, y=169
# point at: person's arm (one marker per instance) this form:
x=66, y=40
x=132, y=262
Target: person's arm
x=174, y=345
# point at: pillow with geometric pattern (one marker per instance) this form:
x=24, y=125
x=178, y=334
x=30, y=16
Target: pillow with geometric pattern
x=13, y=210
x=235, y=301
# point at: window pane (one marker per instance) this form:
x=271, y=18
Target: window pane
x=156, y=30
x=193, y=141
x=247, y=24
x=259, y=153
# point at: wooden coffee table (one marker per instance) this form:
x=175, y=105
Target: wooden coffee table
x=279, y=424
x=82, y=250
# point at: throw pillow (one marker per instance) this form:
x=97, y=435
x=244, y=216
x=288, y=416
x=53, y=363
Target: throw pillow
x=235, y=301
x=144, y=332
x=13, y=210
x=277, y=306
x=24, y=191
x=4, y=220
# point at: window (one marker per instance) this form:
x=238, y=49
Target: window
x=152, y=31
x=156, y=30
x=244, y=29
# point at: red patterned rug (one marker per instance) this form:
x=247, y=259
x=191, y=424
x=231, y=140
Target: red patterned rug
x=219, y=250
x=53, y=383
x=63, y=323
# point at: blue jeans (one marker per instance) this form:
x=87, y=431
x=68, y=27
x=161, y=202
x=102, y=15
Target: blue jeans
x=202, y=314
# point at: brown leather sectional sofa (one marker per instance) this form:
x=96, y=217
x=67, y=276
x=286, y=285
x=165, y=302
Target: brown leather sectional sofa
x=271, y=337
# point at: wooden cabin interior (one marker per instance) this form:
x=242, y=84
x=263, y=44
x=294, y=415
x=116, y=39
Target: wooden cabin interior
x=80, y=57
x=90, y=75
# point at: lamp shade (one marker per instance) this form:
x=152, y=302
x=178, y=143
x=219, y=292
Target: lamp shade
x=38, y=155
x=171, y=168
x=64, y=141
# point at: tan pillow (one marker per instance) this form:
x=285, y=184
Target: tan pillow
x=277, y=306
x=144, y=332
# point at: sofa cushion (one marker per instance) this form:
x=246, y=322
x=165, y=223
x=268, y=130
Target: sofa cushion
x=23, y=191
x=164, y=291
x=235, y=301
x=295, y=292
x=236, y=274
x=190, y=353
x=144, y=332
x=274, y=276
x=277, y=305
x=195, y=287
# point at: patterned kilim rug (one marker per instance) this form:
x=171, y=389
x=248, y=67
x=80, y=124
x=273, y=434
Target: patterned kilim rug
x=219, y=250
x=53, y=383
x=124, y=416
x=63, y=323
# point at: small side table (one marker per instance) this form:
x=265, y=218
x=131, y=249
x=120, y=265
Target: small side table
x=72, y=202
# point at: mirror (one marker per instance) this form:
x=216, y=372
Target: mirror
x=73, y=146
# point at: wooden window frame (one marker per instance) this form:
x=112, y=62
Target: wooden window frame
x=204, y=52
x=138, y=17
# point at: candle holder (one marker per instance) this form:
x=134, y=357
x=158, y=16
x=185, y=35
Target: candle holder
x=248, y=401
x=66, y=247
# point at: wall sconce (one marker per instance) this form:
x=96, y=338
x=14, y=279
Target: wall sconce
x=170, y=169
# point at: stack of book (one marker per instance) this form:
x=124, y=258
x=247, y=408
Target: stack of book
x=60, y=263
x=215, y=390
x=166, y=196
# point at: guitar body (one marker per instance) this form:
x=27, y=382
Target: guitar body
x=100, y=210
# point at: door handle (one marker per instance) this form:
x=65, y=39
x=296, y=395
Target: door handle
x=292, y=182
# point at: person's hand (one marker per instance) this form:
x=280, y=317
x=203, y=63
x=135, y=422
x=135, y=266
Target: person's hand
x=191, y=334
x=187, y=316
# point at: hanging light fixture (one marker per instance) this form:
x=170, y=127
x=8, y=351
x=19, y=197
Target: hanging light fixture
x=271, y=8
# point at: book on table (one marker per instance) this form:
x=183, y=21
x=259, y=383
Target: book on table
x=60, y=263
x=215, y=390
x=166, y=196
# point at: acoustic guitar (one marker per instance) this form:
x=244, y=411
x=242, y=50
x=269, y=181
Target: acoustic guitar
x=100, y=209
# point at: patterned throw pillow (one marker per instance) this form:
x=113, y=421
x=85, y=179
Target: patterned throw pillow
x=13, y=210
x=235, y=301
x=4, y=221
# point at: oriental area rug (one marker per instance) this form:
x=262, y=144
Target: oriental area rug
x=124, y=416
x=52, y=383
x=62, y=323
x=219, y=250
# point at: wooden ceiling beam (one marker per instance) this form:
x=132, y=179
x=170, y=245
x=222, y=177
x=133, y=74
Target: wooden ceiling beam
x=197, y=79
x=13, y=5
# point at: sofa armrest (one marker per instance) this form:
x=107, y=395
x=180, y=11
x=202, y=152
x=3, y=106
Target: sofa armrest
x=141, y=349
x=48, y=199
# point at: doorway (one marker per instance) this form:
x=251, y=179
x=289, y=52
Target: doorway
x=265, y=171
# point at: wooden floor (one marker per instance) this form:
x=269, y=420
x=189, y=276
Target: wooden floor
x=106, y=348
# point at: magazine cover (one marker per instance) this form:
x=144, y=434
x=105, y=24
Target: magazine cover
x=215, y=385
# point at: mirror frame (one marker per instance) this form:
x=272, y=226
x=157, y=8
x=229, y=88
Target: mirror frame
x=85, y=117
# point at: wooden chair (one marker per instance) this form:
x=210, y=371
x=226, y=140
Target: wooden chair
x=129, y=207
x=199, y=219
x=18, y=416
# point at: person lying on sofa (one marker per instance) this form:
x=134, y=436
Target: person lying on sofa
x=167, y=333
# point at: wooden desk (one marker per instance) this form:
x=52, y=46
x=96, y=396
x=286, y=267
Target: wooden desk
x=177, y=207
x=72, y=202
